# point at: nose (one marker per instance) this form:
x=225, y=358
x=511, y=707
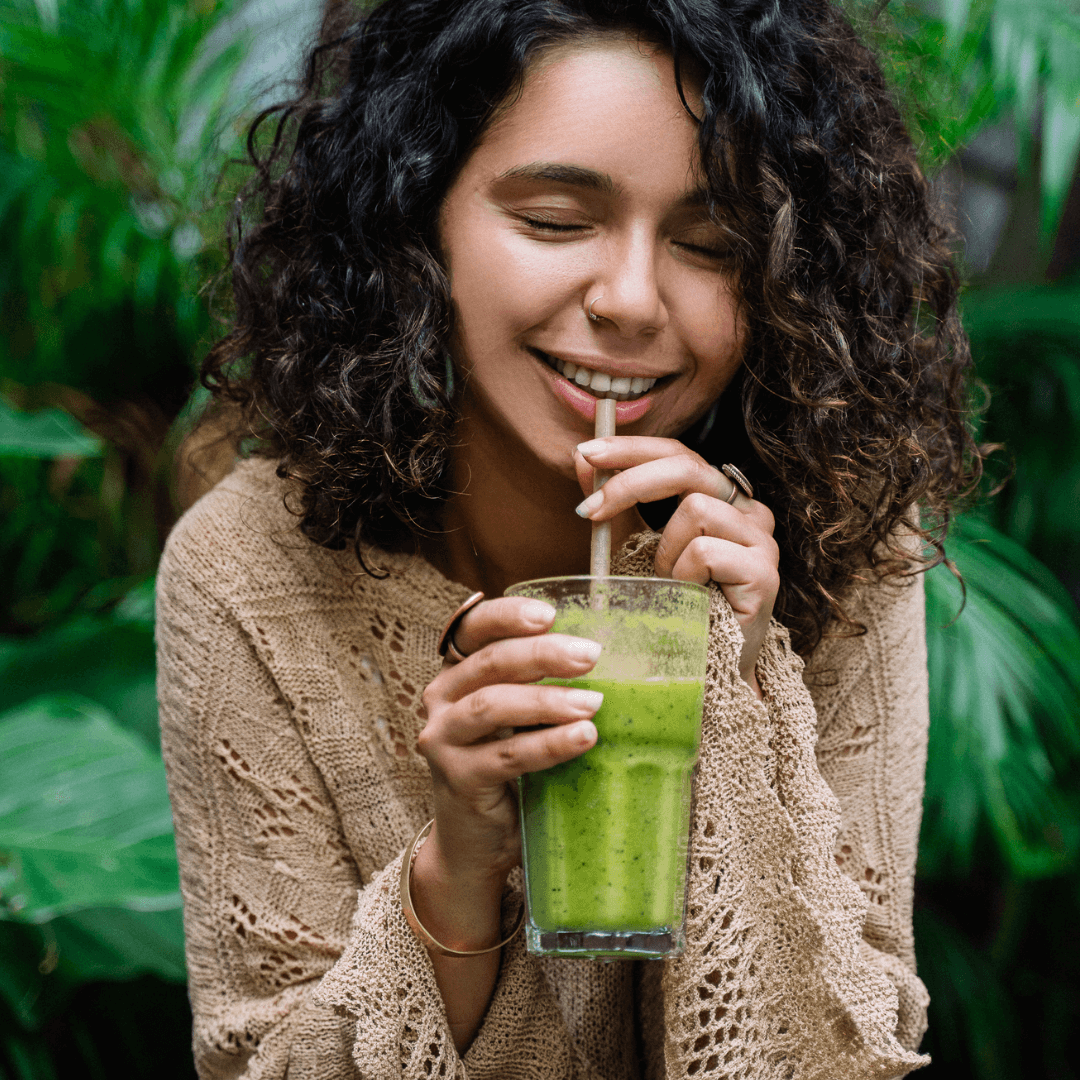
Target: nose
x=626, y=290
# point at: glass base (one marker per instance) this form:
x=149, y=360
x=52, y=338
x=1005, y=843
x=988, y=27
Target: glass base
x=604, y=944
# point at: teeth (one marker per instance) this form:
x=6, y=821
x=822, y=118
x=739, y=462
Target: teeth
x=620, y=387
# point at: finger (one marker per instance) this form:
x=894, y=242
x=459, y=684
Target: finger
x=585, y=474
x=626, y=451
x=659, y=479
x=758, y=512
x=620, y=452
x=481, y=714
x=748, y=580
x=519, y=660
x=528, y=751
x=699, y=515
x=508, y=617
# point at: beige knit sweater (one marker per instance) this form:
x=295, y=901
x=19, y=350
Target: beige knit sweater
x=289, y=687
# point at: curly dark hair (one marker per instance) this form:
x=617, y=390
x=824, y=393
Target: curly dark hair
x=850, y=411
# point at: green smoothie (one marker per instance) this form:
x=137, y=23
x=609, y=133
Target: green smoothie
x=605, y=834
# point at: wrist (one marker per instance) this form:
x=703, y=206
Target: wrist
x=461, y=907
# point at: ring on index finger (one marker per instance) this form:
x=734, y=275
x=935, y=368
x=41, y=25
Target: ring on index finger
x=448, y=650
x=738, y=483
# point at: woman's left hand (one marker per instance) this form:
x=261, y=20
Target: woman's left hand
x=707, y=539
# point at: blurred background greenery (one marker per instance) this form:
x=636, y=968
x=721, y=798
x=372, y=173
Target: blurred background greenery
x=115, y=119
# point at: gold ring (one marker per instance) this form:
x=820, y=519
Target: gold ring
x=447, y=649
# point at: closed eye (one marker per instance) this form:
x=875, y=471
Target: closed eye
x=550, y=226
x=708, y=252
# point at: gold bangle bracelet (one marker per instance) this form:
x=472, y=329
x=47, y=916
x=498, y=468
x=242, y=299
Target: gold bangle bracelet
x=418, y=927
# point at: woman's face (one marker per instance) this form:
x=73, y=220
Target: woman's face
x=586, y=191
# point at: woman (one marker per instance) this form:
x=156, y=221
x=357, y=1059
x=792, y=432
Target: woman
x=478, y=218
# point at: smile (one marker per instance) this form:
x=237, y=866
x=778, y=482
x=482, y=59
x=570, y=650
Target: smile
x=599, y=383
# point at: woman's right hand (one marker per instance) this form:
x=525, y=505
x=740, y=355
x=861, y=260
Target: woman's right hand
x=471, y=709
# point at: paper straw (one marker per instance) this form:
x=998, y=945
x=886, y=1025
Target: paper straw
x=600, y=563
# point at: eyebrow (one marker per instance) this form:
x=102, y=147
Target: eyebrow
x=573, y=175
x=581, y=177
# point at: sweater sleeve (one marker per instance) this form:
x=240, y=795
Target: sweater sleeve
x=290, y=975
x=777, y=978
x=871, y=698
x=268, y=882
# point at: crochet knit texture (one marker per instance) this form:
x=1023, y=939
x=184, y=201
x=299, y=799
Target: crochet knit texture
x=289, y=688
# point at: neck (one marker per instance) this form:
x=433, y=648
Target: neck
x=512, y=519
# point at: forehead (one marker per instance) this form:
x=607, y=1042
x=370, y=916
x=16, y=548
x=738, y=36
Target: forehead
x=609, y=104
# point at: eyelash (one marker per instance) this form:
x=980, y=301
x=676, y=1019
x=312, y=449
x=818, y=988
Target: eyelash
x=558, y=227
x=550, y=226
x=712, y=253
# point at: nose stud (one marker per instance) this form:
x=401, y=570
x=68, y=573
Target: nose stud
x=593, y=317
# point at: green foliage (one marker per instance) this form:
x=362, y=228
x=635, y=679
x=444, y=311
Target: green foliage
x=1004, y=697
x=74, y=536
x=959, y=65
x=1027, y=345
x=976, y=1018
x=48, y=434
x=84, y=814
x=112, y=122
x=105, y=658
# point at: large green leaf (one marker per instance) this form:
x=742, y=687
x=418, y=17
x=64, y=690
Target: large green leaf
x=106, y=658
x=50, y=433
x=42, y=962
x=84, y=814
x=116, y=943
x=1004, y=703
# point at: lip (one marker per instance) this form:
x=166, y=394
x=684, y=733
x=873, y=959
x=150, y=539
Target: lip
x=584, y=404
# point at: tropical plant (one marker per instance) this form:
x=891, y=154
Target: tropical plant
x=114, y=120
x=959, y=65
x=113, y=127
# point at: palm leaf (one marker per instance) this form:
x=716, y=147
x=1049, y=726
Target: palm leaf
x=967, y=63
x=1004, y=703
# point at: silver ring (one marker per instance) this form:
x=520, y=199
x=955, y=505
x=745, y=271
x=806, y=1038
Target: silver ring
x=594, y=318
x=738, y=483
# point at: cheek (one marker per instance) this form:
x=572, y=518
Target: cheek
x=502, y=285
x=716, y=337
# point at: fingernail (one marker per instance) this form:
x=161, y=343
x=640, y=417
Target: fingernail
x=584, y=649
x=593, y=446
x=589, y=507
x=538, y=613
x=584, y=700
x=583, y=732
